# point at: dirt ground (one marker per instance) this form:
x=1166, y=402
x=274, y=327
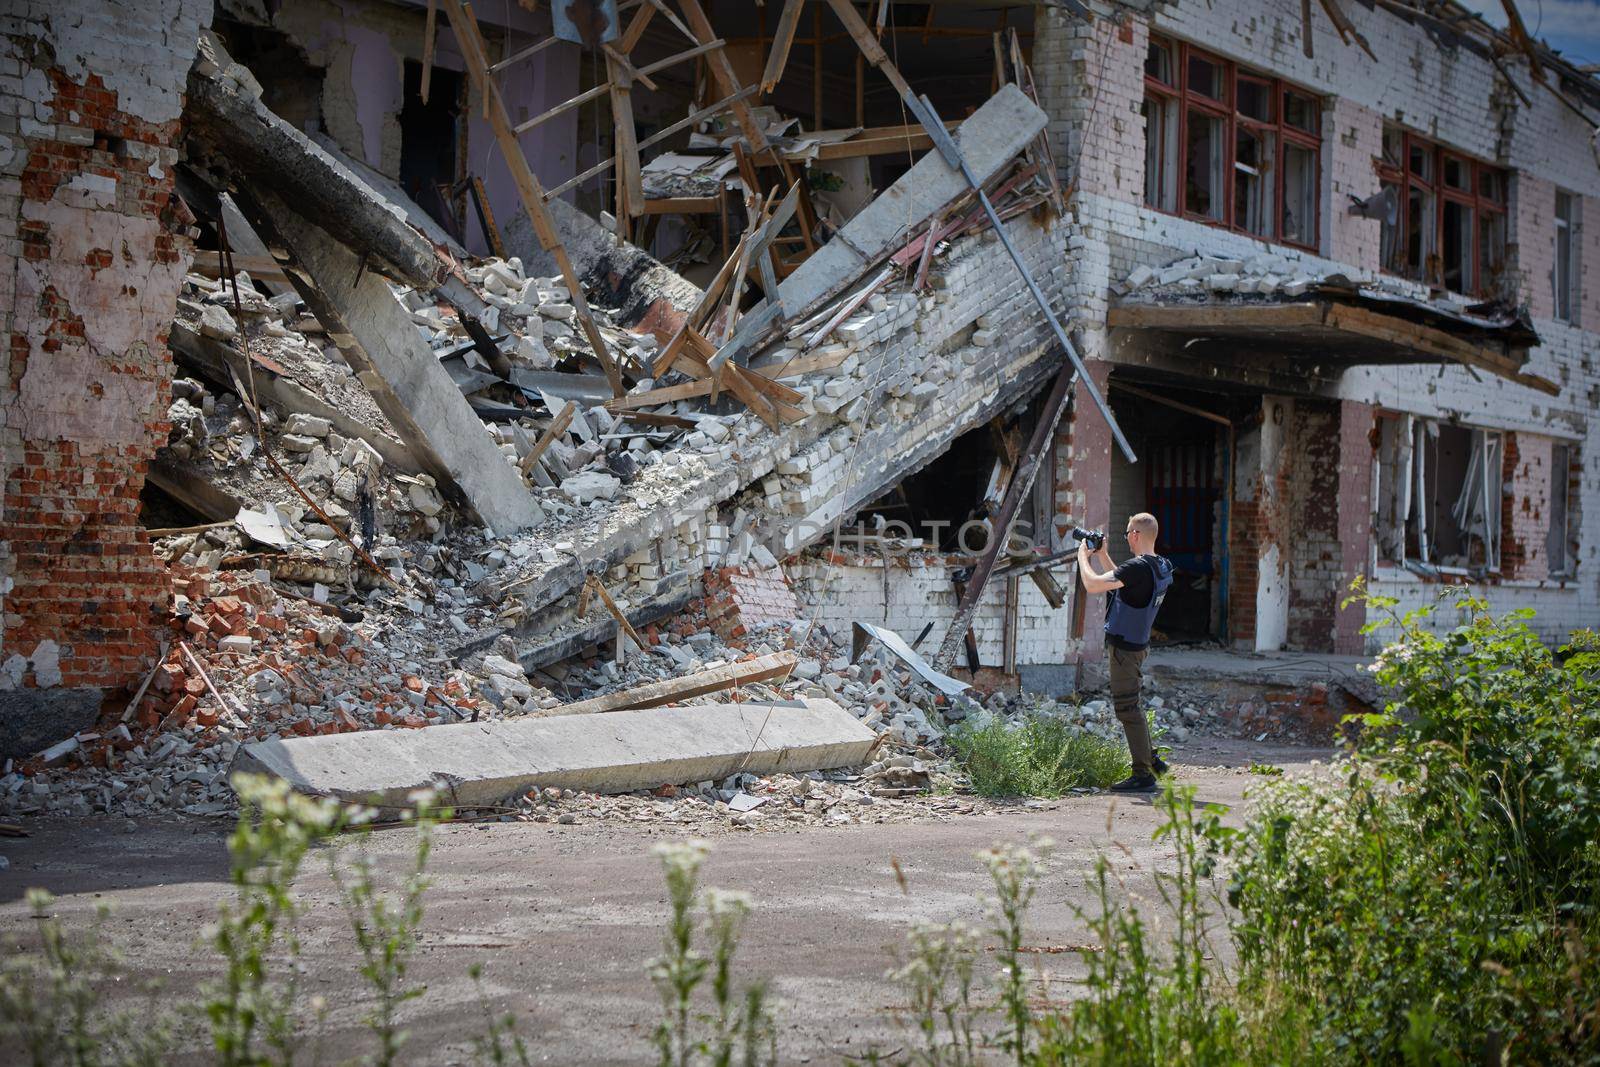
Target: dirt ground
x=562, y=918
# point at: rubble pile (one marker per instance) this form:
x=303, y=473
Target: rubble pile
x=1287, y=275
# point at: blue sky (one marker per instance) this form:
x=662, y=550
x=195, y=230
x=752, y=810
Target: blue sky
x=1572, y=27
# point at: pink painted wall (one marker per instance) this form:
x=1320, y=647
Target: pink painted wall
x=528, y=89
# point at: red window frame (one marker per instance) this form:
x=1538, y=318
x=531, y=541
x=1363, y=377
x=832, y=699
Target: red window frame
x=1403, y=179
x=1183, y=98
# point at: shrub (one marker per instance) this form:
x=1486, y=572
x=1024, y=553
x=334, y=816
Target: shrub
x=50, y=1007
x=1041, y=757
x=1438, y=899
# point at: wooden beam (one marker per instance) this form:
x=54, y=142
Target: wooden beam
x=630, y=186
x=556, y=428
x=631, y=36
x=1020, y=488
x=690, y=53
x=622, y=620
x=429, y=28
x=667, y=394
x=563, y=107
x=722, y=71
x=684, y=205
x=528, y=187
x=782, y=41
x=526, y=53
x=774, y=667
x=869, y=45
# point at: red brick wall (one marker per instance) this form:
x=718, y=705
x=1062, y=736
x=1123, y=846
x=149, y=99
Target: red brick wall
x=741, y=599
x=102, y=245
x=1316, y=559
x=1525, y=510
x=1356, y=424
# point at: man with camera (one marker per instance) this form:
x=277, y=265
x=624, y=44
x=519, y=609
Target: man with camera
x=1133, y=596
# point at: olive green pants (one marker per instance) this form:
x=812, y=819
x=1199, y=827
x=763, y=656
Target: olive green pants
x=1127, y=676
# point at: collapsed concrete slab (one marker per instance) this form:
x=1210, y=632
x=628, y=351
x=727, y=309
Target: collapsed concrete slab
x=484, y=763
x=414, y=391
x=989, y=139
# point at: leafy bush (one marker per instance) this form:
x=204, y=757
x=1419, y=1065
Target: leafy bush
x=1042, y=757
x=1486, y=709
x=1439, y=898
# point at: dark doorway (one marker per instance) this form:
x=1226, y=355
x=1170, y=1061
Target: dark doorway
x=428, y=142
x=1180, y=479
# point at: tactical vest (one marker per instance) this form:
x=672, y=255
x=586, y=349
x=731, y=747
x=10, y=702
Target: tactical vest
x=1133, y=624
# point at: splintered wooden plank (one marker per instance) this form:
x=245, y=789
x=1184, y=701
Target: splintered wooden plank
x=554, y=430
x=475, y=59
x=741, y=387
x=774, y=667
x=667, y=394
x=722, y=70
x=782, y=41
x=428, y=35
x=630, y=185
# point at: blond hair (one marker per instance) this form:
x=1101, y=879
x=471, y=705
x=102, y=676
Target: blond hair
x=1146, y=524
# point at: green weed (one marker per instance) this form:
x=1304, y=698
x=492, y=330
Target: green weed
x=738, y=1024
x=1042, y=757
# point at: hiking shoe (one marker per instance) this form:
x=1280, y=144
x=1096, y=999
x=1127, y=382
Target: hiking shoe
x=1159, y=765
x=1138, y=783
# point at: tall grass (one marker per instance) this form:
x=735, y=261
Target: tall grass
x=1041, y=757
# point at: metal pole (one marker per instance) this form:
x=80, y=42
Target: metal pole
x=923, y=108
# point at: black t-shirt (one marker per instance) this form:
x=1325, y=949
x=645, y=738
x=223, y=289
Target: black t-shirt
x=1138, y=578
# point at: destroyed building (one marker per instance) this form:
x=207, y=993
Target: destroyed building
x=519, y=331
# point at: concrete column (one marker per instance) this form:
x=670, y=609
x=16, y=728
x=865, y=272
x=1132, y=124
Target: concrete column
x=1355, y=519
x=1083, y=498
x=377, y=338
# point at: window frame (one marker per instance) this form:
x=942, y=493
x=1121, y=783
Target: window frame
x=1183, y=100
x=1404, y=179
x=1562, y=283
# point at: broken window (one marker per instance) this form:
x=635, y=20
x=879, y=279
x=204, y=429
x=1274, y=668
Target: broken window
x=1161, y=152
x=1253, y=181
x=1562, y=273
x=1300, y=185
x=1560, y=544
x=1437, y=493
x=1457, y=253
x=1246, y=147
x=1449, y=226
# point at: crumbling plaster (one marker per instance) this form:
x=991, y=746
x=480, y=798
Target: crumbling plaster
x=95, y=248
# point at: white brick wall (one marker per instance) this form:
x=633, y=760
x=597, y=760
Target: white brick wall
x=906, y=596
x=1090, y=79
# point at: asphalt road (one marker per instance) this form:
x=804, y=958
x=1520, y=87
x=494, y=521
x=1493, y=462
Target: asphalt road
x=563, y=918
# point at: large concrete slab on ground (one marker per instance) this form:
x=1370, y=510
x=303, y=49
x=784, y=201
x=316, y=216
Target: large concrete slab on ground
x=613, y=752
x=405, y=378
